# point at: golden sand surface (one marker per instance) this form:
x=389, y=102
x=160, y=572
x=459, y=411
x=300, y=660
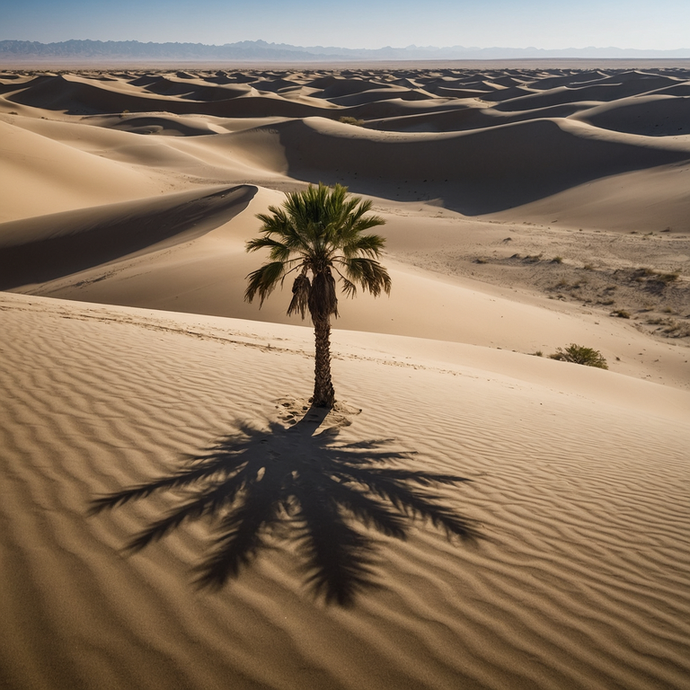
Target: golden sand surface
x=526, y=208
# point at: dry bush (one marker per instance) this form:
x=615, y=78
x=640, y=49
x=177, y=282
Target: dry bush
x=578, y=354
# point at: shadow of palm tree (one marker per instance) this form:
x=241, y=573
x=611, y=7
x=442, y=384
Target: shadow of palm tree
x=262, y=486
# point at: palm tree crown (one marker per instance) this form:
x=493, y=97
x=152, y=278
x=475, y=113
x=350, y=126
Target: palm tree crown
x=315, y=234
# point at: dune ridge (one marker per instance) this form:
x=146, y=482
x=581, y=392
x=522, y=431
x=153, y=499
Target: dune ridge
x=525, y=209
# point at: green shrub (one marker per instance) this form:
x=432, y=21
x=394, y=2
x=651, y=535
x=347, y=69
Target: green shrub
x=578, y=354
x=346, y=119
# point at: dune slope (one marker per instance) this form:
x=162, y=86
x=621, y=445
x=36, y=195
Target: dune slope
x=581, y=583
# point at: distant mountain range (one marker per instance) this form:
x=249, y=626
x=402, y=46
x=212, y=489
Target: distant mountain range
x=122, y=51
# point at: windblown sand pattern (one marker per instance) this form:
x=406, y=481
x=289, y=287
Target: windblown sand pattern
x=524, y=209
x=582, y=584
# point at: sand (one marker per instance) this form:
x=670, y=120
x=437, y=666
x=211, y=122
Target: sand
x=525, y=209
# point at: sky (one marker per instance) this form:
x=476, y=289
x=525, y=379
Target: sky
x=548, y=24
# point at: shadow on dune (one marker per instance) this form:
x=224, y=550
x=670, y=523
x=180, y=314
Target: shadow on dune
x=89, y=237
x=298, y=485
x=474, y=172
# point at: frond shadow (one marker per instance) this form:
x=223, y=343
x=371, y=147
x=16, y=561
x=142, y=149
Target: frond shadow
x=262, y=487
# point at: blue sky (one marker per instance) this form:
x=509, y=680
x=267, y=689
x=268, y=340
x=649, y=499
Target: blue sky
x=642, y=24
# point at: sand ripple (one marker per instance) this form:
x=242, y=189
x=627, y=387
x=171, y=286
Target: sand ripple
x=582, y=583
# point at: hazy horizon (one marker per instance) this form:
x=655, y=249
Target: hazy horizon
x=541, y=24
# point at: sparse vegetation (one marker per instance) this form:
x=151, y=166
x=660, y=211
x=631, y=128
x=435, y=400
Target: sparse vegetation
x=597, y=280
x=348, y=120
x=578, y=354
x=675, y=329
x=670, y=327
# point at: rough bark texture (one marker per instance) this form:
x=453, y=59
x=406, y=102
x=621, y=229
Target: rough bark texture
x=324, y=395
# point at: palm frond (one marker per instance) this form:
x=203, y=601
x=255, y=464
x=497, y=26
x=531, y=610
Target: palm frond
x=264, y=280
x=369, y=274
x=300, y=296
x=368, y=245
x=348, y=287
x=279, y=251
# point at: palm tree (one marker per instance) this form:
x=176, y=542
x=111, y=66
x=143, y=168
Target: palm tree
x=315, y=233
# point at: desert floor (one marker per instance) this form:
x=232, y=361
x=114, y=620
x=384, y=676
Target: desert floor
x=525, y=209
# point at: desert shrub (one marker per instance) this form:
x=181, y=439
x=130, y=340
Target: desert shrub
x=621, y=314
x=346, y=119
x=578, y=354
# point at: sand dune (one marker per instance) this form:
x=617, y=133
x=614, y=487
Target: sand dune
x=89, y=238
x=654, y=115
x=41, y=175
x=581, y=585
x=531, y=160
x=525, y=210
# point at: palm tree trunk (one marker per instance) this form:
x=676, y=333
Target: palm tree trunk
x=324, y=394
